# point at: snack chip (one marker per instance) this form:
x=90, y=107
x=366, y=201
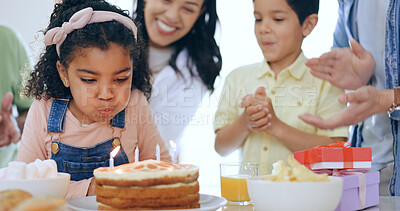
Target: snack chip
x=295, y=173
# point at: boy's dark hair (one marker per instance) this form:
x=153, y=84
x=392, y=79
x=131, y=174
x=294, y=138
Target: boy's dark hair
x=45, y=81
x=203, y=51
x=304, y=8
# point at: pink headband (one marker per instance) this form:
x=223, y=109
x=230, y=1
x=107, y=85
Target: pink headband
x=79, y=20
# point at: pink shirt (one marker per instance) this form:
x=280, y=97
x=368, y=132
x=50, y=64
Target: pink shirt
x=140, y=130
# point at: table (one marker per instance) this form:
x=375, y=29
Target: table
x=386, y=203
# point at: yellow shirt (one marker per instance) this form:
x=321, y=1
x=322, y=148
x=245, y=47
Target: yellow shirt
x=295, y=91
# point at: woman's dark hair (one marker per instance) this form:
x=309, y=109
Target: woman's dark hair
x=45, y=81
x=203, y=51
x=304, y=8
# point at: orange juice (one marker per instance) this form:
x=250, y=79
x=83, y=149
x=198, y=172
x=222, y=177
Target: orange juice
x=234, y=189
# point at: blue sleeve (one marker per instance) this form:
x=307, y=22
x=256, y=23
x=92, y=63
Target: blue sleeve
x=346, y=27
x=340, y=39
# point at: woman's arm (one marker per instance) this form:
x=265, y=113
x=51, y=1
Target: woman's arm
x=33, y=144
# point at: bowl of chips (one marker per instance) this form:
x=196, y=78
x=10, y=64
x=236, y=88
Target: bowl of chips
x=294, y=187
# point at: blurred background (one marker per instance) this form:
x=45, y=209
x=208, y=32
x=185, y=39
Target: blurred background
x=238, y=47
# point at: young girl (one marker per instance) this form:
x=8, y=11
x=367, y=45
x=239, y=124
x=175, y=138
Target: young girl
x=90, y=87
x=183, y=58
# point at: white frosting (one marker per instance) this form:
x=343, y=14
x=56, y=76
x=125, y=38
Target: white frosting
x=162, y=169
x=176, y=185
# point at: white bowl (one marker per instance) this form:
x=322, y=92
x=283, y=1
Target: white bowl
x=307, y=196
x=41, y=186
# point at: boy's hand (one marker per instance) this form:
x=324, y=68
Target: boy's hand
x=259, y=111
x=257, y=118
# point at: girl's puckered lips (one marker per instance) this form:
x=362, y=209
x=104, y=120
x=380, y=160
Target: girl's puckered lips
x=106, y=111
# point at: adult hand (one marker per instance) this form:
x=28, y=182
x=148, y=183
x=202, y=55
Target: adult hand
x=9, y=131
x=346, y=68
x=364, y=102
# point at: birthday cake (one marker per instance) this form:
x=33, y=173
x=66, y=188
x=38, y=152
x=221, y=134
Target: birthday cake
x=147, y=185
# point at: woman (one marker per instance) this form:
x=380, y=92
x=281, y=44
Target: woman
x=184, y=58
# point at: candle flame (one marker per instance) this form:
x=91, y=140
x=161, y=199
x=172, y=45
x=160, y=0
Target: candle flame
x=115, y=151
x=172, y=144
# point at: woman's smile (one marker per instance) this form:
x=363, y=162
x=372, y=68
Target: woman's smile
x=164, y=28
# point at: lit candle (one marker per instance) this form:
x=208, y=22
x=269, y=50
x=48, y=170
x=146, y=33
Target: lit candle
x=173, y=154
x=158, y=152
x=136, y=154
x=112, y=155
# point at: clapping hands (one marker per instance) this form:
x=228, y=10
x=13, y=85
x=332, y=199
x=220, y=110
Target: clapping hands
x=363, y=103
x=260, y=115
x=346, y=68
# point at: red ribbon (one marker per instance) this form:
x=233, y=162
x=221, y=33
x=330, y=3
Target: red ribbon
x=362, y=181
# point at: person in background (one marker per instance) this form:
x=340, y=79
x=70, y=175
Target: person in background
x=91, y=87
x=260, y=103
x=364, y=58
x=14, y=62
x=184, y=58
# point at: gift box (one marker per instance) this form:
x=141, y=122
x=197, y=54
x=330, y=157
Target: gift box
x=360, y=190
x=338, y=155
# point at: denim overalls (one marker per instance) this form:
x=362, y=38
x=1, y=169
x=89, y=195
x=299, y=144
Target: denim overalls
x=80, y=162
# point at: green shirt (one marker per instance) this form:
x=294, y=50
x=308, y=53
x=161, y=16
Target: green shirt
x=14, y=61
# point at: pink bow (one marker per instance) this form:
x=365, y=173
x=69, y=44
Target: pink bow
x=79, y=20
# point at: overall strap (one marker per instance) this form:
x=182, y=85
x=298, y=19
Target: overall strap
x=55, y=123
x=118, y=120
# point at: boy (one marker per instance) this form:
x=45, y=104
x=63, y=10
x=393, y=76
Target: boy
x=265, y=125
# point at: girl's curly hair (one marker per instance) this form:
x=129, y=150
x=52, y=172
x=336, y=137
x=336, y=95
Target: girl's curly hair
x=45, y=82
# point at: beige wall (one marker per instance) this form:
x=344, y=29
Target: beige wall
x=31, y=16
x=28, y=17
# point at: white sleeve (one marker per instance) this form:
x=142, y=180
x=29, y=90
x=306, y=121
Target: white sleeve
x=174, y=101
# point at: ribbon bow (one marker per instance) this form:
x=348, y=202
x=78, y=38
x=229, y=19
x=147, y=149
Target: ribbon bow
x=79, y=20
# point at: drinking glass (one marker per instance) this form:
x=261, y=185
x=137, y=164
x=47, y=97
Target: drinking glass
x=233, y=181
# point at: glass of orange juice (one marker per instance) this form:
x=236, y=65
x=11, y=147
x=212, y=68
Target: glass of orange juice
x=233, y=181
